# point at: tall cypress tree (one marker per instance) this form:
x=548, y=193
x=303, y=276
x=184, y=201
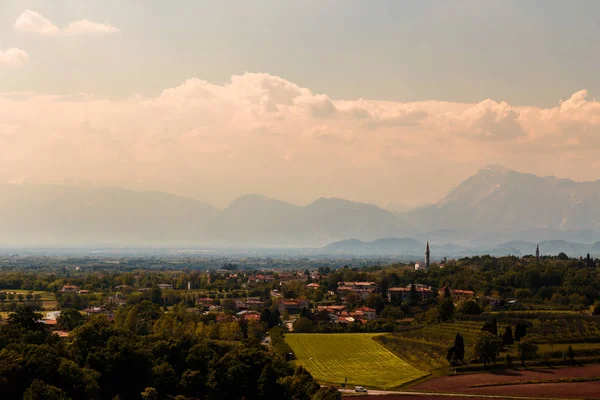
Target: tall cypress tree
x=459, y=343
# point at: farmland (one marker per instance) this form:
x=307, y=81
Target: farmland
x=48, y=299
x=331, y=358
x=531, y=383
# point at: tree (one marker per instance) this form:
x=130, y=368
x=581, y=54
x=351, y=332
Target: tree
x=300, y=386
x=164, y=378
x=456, y=353
x=70, y=319
x=413, y=295
x=447, y=294
x=446, y=308
x=352, y=299
x=487, y=346
x=149, y=394
x=328, y=393
x=491, y=327
x=375, y=301
x=229, y=306
x=527, y=350
x=569, y=353
x=39, y=390
x=520, y=331
x=507, y=337
x=25, y=318
x=470, y=307
x=459, y=343
x=303, y=325
x=156, y=296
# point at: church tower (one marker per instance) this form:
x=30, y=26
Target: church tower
x=427, y=259
x=537, y=252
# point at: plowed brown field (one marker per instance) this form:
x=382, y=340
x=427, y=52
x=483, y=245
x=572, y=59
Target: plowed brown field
x=465, y=383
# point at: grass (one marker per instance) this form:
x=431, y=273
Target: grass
x=425, y=356
x=546, y=348
x=331, y=358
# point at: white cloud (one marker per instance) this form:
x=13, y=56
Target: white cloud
x=13, y=58
x=261, y=133
x=88, y=27
x=33, y=22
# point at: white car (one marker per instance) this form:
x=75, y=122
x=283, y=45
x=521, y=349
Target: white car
x=360, y=389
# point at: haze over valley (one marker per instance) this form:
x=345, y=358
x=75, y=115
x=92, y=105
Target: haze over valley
x=496, y=210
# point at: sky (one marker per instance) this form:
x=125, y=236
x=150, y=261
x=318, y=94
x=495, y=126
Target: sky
x=381, y=102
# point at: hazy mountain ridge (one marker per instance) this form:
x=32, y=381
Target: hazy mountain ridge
x=491, y=208
x=43, y=214
x=411, y=248
x=497, y=199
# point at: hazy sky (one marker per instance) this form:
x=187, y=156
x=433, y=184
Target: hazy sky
x=367, y=100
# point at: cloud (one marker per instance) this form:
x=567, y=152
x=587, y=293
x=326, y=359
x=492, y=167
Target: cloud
x=35, y=23
x=85, y=26
x=13, y=58
x=262, y=133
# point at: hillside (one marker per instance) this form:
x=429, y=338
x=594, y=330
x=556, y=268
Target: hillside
x=59, y=215
x=497, y=199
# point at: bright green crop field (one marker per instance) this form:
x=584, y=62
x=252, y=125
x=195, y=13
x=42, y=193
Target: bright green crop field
x=331, y=358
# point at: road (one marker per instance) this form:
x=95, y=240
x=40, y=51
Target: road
x=461, y=395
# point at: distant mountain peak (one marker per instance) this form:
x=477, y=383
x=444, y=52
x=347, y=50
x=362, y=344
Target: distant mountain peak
x=497, y=168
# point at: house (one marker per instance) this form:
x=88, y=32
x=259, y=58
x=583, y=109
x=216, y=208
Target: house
x=248, y=315
x=205, y=301
x=165, y=286
x=50, y=323
x=249, y=304
x=363, y=289
x=116, y=300
x=369, y=313
x=495, y=302
x=84, y=291
x=261, y=278
x=457, y=294
x=335, y=310
x=292, y=306
x=99, y=311
x=400, y=294
x=69, y=289
x=313, y=286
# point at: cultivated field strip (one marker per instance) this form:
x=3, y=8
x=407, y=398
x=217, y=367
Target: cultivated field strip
x=332, y=358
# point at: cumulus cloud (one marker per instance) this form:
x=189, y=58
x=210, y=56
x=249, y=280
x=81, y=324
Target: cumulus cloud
x=262, y=133
x=35, y=23
x=13, y=58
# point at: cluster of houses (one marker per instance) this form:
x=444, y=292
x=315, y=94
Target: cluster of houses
x=340, y=314
x=363, y=289
x=250, y=308
x=73, y=289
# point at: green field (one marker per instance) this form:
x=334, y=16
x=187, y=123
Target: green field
x=331, y=358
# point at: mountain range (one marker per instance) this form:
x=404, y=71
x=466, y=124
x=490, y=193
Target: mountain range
x=495, y=207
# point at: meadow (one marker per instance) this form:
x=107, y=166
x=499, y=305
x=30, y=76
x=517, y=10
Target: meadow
x=331, y=358
x=48, y=299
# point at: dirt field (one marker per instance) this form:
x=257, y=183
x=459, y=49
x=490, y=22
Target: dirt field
x=464, y=383
x=416, y=397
